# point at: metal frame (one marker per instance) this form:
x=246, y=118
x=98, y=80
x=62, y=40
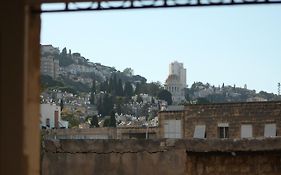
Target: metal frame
x=101, y=5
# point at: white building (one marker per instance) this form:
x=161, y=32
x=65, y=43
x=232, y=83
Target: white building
x=50, y=117
x=176, y=81
x=176, y=68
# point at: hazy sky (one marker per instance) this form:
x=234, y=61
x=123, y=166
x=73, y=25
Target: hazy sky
x=230, y=45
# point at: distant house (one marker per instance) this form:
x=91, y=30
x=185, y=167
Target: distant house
x=50, y=117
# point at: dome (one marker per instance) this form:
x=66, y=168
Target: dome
x=172, y=79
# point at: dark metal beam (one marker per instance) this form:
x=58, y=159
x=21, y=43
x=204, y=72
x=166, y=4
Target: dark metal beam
x=101, y=5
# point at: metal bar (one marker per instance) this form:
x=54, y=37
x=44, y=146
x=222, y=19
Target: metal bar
x=99, y=5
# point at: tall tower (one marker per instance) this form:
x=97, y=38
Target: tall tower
x=176, y=68
x=176, y=82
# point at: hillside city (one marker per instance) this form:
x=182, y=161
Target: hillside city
x=93, y=95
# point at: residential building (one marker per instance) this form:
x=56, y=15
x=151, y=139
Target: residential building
x=50, y=117
x=50, y=66
x=222, y=120
x=49, y=49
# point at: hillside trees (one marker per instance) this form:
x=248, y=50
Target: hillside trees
x=165, y=95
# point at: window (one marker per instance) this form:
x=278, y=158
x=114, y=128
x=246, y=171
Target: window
x=199, y=131
x=172, y=129
x=270, y=130
x=246, y=131
x=223, y=130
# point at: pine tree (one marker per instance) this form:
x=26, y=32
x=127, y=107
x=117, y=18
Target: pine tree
x=61, y=104
x=95, y=122
x=120, y=88
x=93, y=92
x=128, y=90
x=112, y=120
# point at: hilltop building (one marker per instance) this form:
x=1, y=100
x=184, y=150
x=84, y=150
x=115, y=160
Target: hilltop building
x=176, y=81
x=49, y=64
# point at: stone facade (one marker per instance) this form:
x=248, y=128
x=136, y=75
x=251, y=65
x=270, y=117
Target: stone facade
x=256, y=117
x=165, y=157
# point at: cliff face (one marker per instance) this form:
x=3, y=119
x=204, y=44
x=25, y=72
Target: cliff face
x=165, y=157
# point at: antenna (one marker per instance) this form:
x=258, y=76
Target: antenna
x=279, y=84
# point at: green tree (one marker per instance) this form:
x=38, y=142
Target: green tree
x=106, y=122
x=94, y=122
x=128, y=71
x=64, y=52
x=139, y=99
x=138, y=89
x=61, y=105
x=112, y=120
x=154, y=88
x=128, y=90
x=73, y=122
x=105, y=105
x=120, y=88
x=93, y=92
x=165, y=95
x=202, y=101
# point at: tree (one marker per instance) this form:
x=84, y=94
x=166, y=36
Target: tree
x=119, y=91
x=61, y=105
x=128, y=90
x=202, y=101
x=110, y=122
x=95, y=122
x=165, y=95
x=139, y=99
x=138, y=89
x=154, y=88
x=128, y=71
x=105, y=105
x=93, y=92
x=64, y=52
x=72, y=120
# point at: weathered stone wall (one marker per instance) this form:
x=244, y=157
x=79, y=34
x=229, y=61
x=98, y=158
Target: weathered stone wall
x=249, y=163
x=163, y=157
x=101, y=133
x=235, y=114
x=257, y=114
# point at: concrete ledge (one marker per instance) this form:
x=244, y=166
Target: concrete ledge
x=162, y=145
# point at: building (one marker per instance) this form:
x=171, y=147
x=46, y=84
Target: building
x=50, y=66
x=176, y=68
x=49, y=49
x=176, y=82
x=222, y=121
x=50, y=117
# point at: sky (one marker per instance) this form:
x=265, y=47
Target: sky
x=230, y=45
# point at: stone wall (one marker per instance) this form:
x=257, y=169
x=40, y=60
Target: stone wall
x=102, y=133
x=163, y=157
x=235, y=114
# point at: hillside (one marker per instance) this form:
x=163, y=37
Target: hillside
x=76, y=74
